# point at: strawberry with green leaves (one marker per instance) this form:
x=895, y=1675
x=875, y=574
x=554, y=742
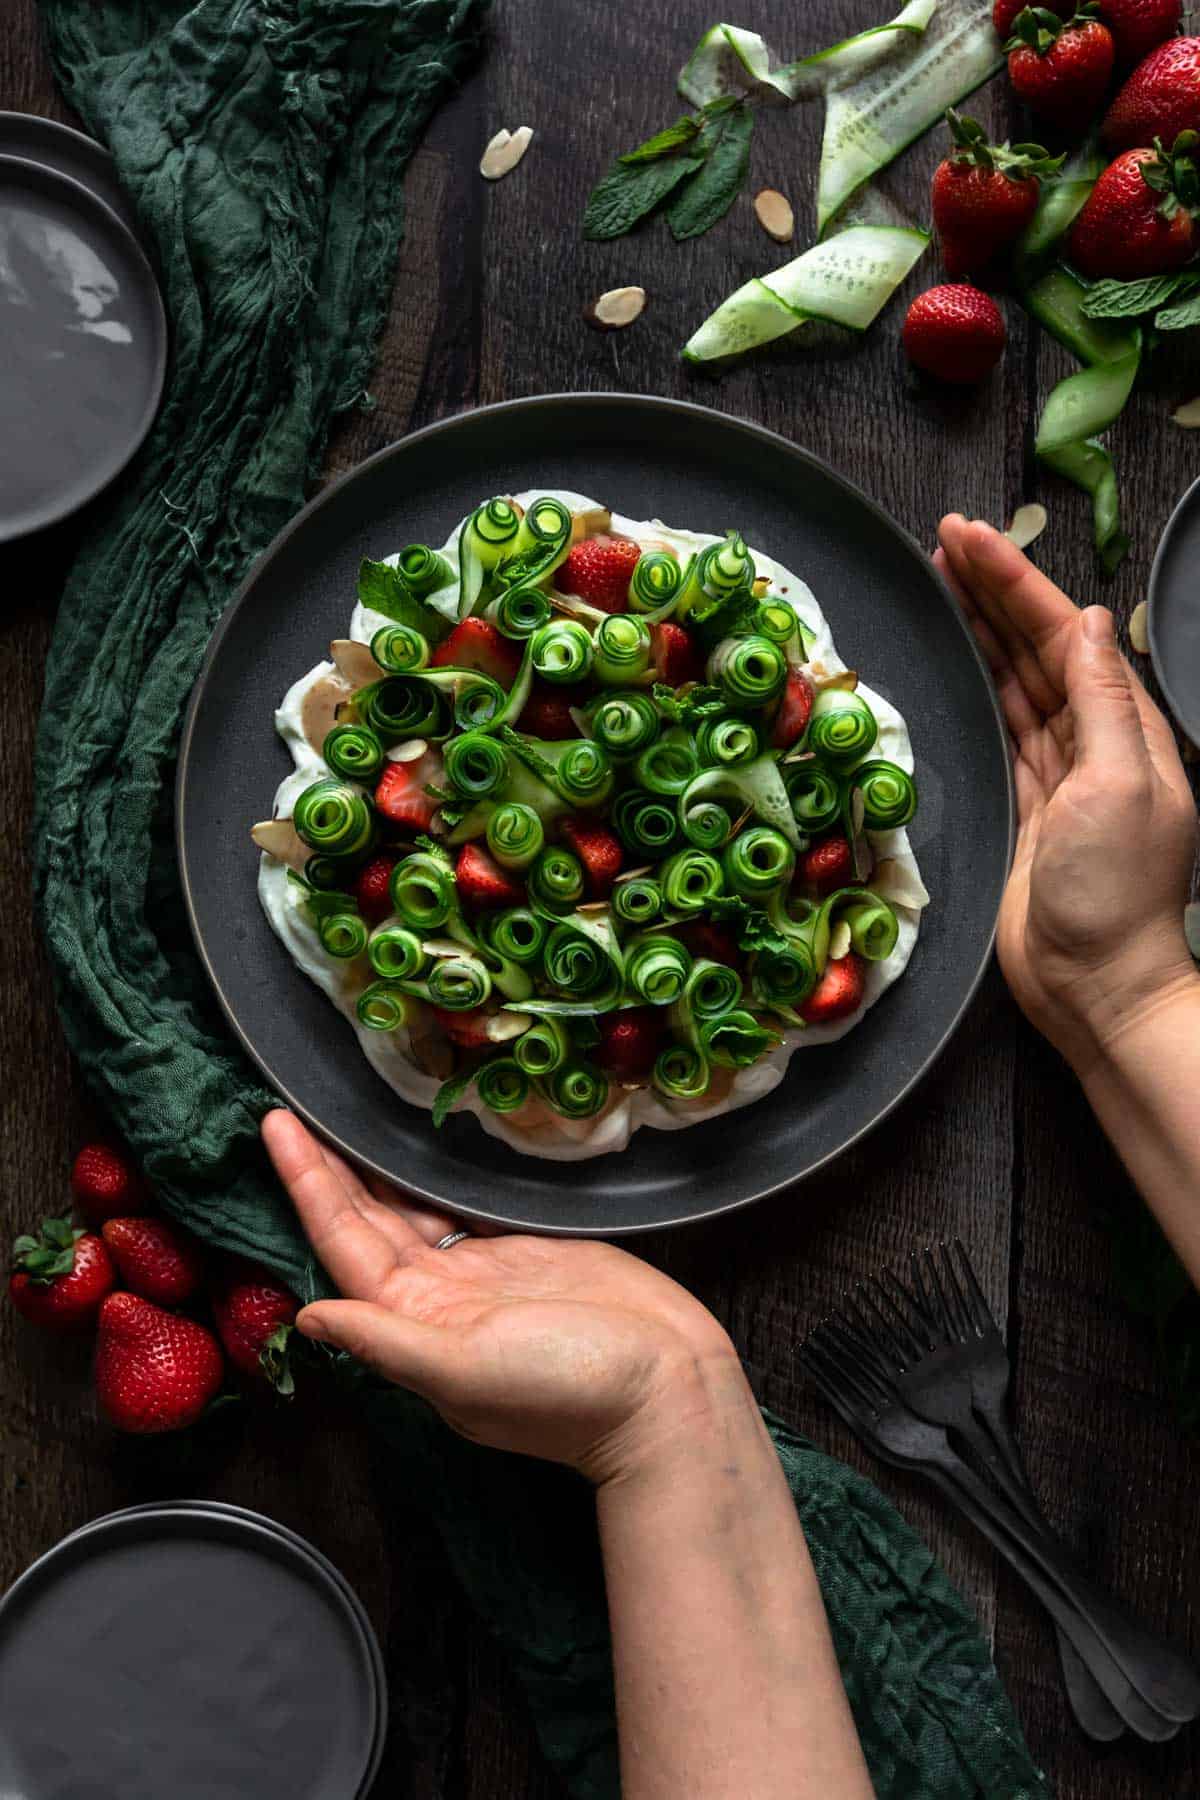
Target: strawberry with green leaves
x=1139, y=218
x=254, y=1315
x=1060, y=69
x=984, y=196
x=61, y=1276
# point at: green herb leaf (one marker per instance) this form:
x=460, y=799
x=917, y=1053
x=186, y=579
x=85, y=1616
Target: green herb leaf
x=758, y=933
x=1178, y=318
x=707, y=197
x=383, y=590
x=534, y=761
x=450, y=1093
x=730, y=617
x=688, y=709
x=1127, y=299
x=671, y=138
x=626, y=194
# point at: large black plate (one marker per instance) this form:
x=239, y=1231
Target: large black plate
x=1173, y=623
x=891, y=617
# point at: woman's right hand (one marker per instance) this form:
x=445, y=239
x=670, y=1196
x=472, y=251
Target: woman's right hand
x=1091, y=927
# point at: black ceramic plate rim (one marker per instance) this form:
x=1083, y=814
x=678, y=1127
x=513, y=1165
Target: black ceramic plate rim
x=1187, y=718
x=50, y=136
x=87, y=201
x=250, y=1524
x=689, y=410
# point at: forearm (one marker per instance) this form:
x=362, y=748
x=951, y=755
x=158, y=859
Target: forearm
x=726, y=1678
x=1144, y=1086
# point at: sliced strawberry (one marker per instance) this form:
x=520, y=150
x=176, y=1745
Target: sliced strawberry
x=598, y=571
x=716, y=942
x=482, y=882
x=676, y=658
x=467, y=1029
x=547, y=712
x=630, y=1040
x=599, y=850
x=838, y=993
x=828, y=865
x=476, y=644
x=371, y=888
x=401, y=798
x=795, y=708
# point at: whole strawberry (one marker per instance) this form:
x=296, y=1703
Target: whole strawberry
x=155, y=1370
x=156, y=1260
x=1160, y=99
x=1138, y=26
x=1139, y=218
x=955, y=333
x=598, y=571
x=984, y=195
x=1060, y=70
x=61, y=1276
x=105, y=1184
x=254, y=1314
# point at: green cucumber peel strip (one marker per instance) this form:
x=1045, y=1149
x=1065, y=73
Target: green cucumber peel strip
x=729, y=59
x=758, y=784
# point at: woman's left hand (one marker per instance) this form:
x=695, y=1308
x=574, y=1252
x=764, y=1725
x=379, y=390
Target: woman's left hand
x=561, y=1348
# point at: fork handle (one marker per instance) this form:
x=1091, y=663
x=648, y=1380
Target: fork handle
x=1164, y=1678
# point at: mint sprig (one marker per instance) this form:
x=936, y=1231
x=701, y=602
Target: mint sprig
x=694, y=168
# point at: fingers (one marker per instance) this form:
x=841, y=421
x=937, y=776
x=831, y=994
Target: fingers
x=1026, y=611
x=424, y=1358
x=1108, y=726
x=356, y=1254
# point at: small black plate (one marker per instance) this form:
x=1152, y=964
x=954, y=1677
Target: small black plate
x=1173, y=613
x=204, y=1651
x=891, y=617
x=85, y=345
x=71, y=153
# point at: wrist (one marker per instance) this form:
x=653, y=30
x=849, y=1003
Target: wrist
x=692, y=1399
x=1119, y=1033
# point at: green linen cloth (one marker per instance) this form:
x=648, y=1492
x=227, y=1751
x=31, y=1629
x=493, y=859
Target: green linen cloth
x=263, y=143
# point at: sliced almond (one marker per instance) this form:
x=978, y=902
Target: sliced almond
x=279, y=838
x=319, y=708
x=759, y=587
x=631, y=874
x=505, y=1025
x=354, y=662
x=899, y=885
x=858, y=811
x=441, y=946
x=504, y=152
x=589, y=523
x=773, y=211
x=616, y=309
x=660, y=544
x=575, y=608
x=1026, y=524
x=845, y=678
x=1139, y=635
x=839, y=941
x=1188, y=415
x=412, y=750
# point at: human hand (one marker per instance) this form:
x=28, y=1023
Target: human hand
x=1091, y=926
x=562, y=1348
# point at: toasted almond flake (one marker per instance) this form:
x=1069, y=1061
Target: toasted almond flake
x=760, y=585
x=839, y=941
x=898, y=885
x=845, y=678
x=1139, y=636
x=863, y=857
x=279, y=838
x=319, y=708
x=616, y=309
x=1188, y=415
x=589, y=523
x=593, y=906
x=1026, y=524
x=817, y=669
x=629, y=874
x=505, y=1025
x=747, y=812
x=799, y=756
x=773, y=211
x=354, y=661
x=441, y=946
x=412, y=750
x=1191, y=928
x=858, y=811
x=576, y=608
x=660, y=544
x=504, y=152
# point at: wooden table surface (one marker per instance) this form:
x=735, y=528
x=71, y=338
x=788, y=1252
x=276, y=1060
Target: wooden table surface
x=997, y=1145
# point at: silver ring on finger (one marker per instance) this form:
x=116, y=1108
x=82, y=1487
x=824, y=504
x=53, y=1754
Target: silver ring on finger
x=451, y=1238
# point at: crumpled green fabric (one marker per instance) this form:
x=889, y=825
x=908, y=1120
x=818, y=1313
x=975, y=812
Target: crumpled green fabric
x=263, y=142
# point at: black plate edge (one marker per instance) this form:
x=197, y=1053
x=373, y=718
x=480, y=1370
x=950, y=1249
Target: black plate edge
x=689, y=410
x=1187, y=722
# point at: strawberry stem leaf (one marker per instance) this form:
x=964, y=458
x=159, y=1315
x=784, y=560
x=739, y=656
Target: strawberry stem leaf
x=51, y=1254
x=275, y=1361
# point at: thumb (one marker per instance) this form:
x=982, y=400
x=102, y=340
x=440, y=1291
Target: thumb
x=416, y=1356
x=1108, y=728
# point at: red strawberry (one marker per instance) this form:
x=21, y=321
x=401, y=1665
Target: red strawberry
x=598, y=570
x=401, y=798
x=476, y=644
x=467, y=1029
x=62, y=1276
x=155, y=1370
x=676, y=657
x=156, y=1260
x=984, y=195
x=599, y=850
x=1138, y=26
x=955, y=333
x=838, y=993
x=482, y=882
x=106, y=1185
x=1160, y=99
x=1137, y=219
x=371, y=889
x=1061, y=71
x=630, y=1041
x=547, y=712
x=1004, y=13
x=254, y=1314
x=716, y=942
x=829, y=864
x=795, y=706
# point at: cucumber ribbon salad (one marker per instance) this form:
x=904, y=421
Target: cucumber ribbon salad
x=613, y=865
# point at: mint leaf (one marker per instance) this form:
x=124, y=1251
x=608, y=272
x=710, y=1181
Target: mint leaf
x=1177, y=318
x=671, y=138
x=690, y=708
x=627, y=194
x=1126, y=299
x=450, y=1093
x=707, y=197
x=730, y=617
x=382, y=589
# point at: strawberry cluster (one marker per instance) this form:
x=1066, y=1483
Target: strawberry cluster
x=137, y=1280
